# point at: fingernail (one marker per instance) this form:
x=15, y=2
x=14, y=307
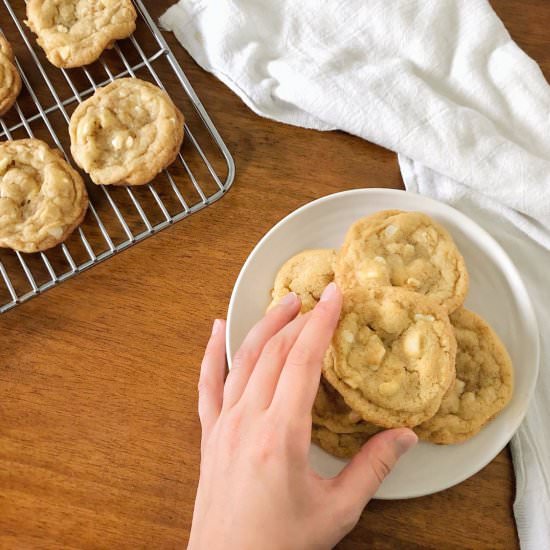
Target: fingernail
x=289, y=299
x=404, y=442
x=329, y=293
x=216, y=327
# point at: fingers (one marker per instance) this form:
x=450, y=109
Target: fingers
x=299, y=378
x=263, y=381
x=212, y=377
x=245, y=359
x=359, y=481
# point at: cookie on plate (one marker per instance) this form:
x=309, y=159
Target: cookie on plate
x=74, y=33
x=307, y=274
x=10, y=81
x=392, y=356
x=331, y=411
x=340, y=445
x=483, y=386
x=126, y=133
x=403, y=249
x=42, y=198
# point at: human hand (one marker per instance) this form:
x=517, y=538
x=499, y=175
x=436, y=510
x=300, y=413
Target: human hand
x=256, y=488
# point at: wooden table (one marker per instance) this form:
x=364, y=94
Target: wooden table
x=99, y=437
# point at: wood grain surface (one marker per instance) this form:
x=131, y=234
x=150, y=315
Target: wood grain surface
x=99, y=436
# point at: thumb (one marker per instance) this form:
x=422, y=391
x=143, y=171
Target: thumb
x=361, y=478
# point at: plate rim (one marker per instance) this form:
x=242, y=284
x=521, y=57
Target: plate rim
x=511, y=272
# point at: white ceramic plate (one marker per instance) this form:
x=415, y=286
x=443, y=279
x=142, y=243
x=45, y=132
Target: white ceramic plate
x=496, y=293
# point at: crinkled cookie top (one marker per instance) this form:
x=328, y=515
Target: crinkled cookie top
x=392, y=356
x=74, y=33
x=307, y=274
x=42, y=198
x=483, y=386
x=126, y=133
x=10, y=81
x=403, y=249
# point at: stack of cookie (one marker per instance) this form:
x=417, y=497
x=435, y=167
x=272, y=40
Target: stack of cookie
x=405, y=352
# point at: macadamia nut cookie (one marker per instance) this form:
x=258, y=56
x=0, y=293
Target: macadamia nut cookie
x=10, y=81
x=403, y=249
x=42, y=198
x=74, y=33
x=393, y=356
x=307, y=274
x=483, y=386
x=126, y=133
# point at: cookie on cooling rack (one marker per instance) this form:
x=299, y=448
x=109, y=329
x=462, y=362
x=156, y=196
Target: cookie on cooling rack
x=483, y=386
x=126, y=133
x=74, y=33
x=10, y=81
x=42, y=198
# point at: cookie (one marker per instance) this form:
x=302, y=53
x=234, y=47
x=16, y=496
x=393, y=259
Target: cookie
x=126, y=133
x=74, y=33
x=392, y=356
x=339, y=445
x=42, y=198
x=307, y=274
x=5, y=48
x=483, y=386
x=331, y=411
x=403, y=249
x=10, y=81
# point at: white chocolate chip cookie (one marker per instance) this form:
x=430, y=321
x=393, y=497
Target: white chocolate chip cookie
x=307, y=274
x=74, y=33
x=392, y=356
x=339, y=445
x=42, y=198
x=403, y=249
x=483, y=386
x=331, y=411
x=126, y=133
x=10, y=81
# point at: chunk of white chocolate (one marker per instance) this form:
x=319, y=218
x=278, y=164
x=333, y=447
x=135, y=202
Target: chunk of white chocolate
x=388, y=389
x=422, y=317
x=390, y=230
x=348, y=336
x=413, y=343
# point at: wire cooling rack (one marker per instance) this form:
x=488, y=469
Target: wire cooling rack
x=117, y=217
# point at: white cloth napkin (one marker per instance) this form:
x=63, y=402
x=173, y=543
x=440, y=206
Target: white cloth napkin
x=531, y=444
x=441, y=83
